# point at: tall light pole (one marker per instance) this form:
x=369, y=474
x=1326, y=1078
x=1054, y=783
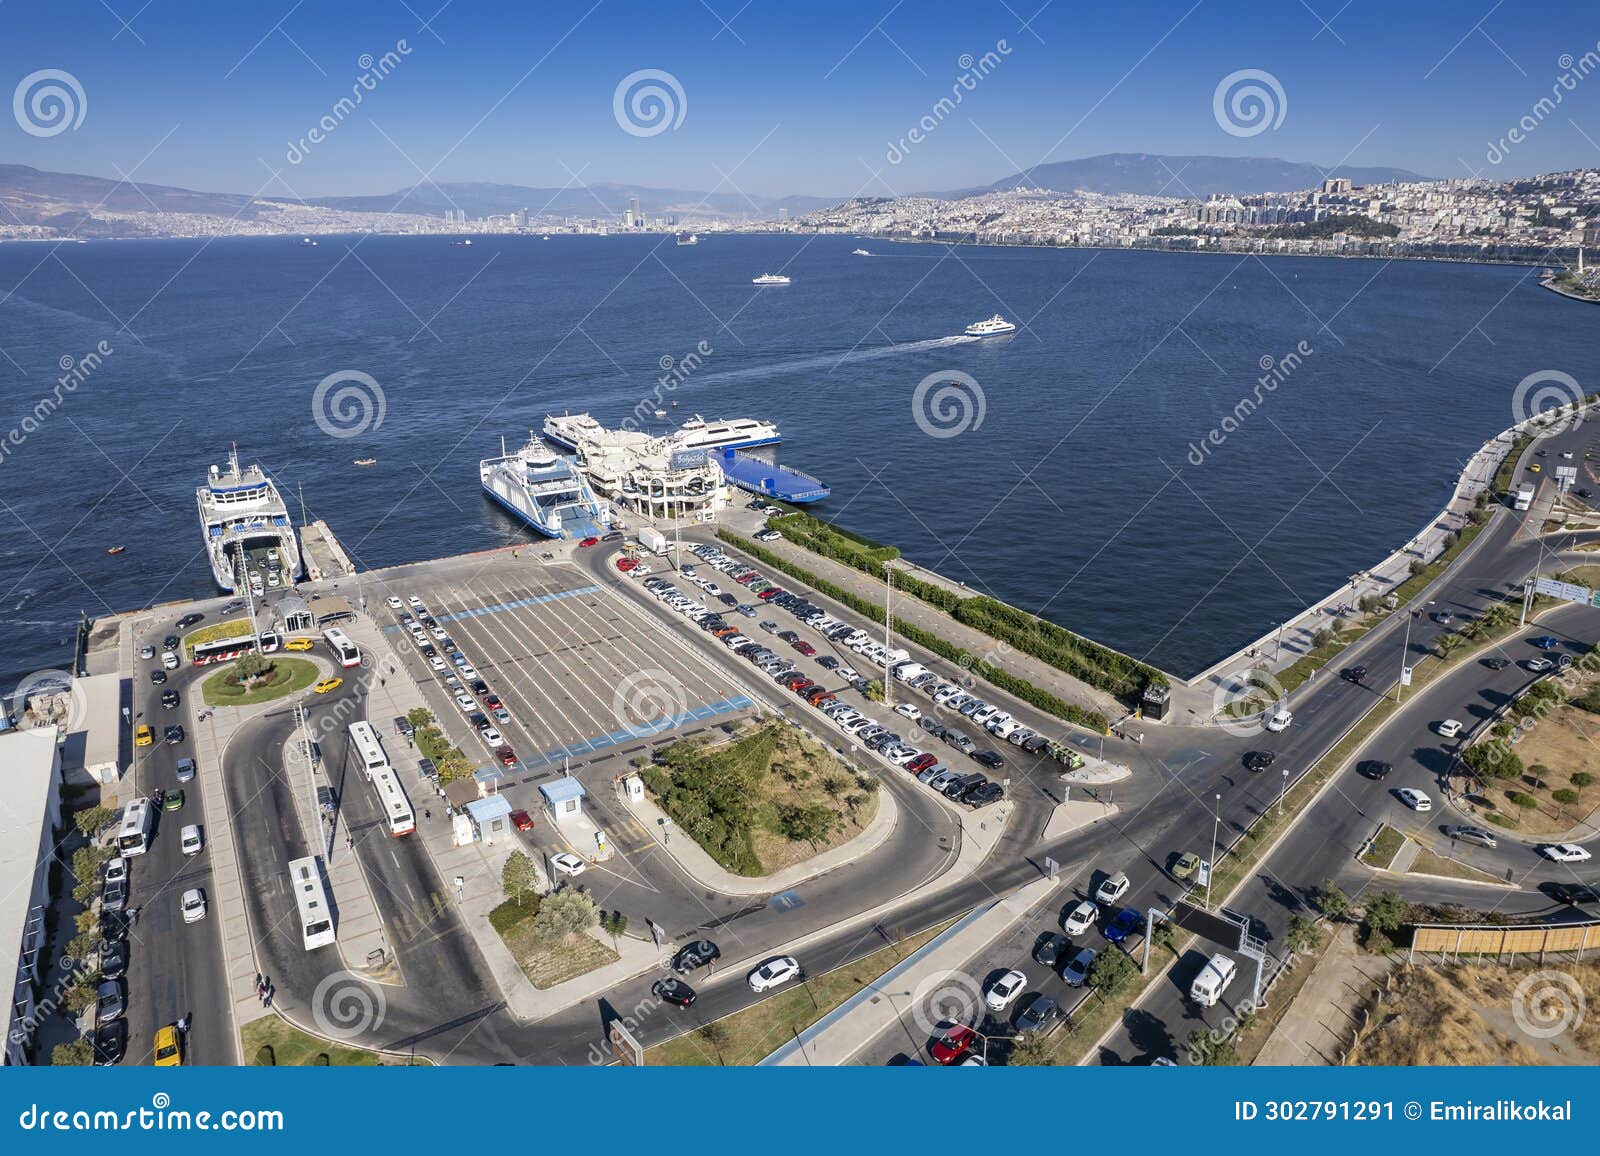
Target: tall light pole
x=1405, y=655
x=1283, y=790
x=888, y=588
x=1211, y=864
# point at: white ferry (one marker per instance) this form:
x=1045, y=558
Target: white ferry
x=543, y=489
x=691, y=239
x=993, y=327
x=247, y=528
x=570, y=430
x=859, y=253
x=770, y=279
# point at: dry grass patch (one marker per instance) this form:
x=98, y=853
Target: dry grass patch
x=1384, y=848
x=1430, y=863
x=545, y=963
x=1462, y=1016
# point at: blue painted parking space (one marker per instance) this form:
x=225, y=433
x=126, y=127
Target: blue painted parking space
x=502, y=607
x=633, y=734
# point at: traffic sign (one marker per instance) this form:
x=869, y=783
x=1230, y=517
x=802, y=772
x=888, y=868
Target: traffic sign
x=1567, y=591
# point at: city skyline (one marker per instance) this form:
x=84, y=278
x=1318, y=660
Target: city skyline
x=885, y=100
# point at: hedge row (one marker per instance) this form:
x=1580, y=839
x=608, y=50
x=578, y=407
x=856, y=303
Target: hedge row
x=1027, y=691
x=1089, y=662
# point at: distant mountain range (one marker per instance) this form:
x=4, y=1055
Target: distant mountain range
x=67, y=201
x=1149, y=174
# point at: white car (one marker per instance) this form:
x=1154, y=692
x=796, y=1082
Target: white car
x=467, y=703
x=1564, y=852
x=117, y=870
x=774, y=973
x=189, y=839
x=169, y=661
x=908, y=711
x=1080, y=918
x=491, y=736
x=194, y=905
x=393, y=602
x=568, y=863
x=439, y=633
x=1279, y=720
x=1539, y=665
x=1004, y=991
x=414, y=602
x=469, y=671
x=1415, y=799
x=1112, y=888
x=1449, y=728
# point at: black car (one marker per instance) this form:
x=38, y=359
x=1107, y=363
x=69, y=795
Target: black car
x=189, y=620
x=114, y=959
x=1050, y=949
x=1037, y=1015
x=614, y=536
x=1259, y=761
x=673, y=990
x=958, y=787
x=157, y=677
x=984, y=794
x=169, y=699
x=173, y=734
x=990, y=759
x=828, y=662
x=1574, y=893
x=170, y=642
x=1584, y=493
x=1374, y=769
x=479, y=687
x=1497, y=663
x=930, y=724
x=693, y=956
x=1353, y=673
x=110, y=1043
x=727, y=599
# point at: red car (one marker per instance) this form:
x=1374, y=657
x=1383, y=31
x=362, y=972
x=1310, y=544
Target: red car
x=492, y=701
x=801, y=686
x=819, y=695
x=951, y=1047
x=921, y=763
x=590, y=542
x=626, y=564
x=769, y=595
x=748, y=578
x=522, y=820
x=506, y=755
x=805, y=648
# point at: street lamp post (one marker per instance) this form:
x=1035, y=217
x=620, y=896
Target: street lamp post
x=888, y=588
x=1405, y=655
x=1283, y=790
x=1211, y=864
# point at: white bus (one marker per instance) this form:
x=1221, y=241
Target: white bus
x=392, y=800
x=369, y=751
x=133, y=831
x=343, y=649
x=316, y=922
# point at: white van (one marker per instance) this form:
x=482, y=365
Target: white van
x=855, y=638
x=906, y=671
x=1279, y=720
x=1213, y=980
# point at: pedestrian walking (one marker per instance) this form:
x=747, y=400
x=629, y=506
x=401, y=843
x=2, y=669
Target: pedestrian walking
x=258, y=983
x=133, y=916
x=183, y=1024
x=267, y=999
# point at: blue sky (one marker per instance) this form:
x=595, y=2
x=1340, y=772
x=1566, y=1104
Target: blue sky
x=783, y=97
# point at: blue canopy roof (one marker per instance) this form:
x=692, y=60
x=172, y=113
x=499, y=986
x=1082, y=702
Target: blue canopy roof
x=561, y=790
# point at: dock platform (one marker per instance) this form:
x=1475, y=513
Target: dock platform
x=785, y=483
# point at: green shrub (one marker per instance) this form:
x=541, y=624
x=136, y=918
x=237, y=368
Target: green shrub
x=1525, y=801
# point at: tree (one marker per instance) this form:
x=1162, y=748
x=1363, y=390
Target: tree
x=1332, y=900
x=1032, y=1051
x=419, y=717
x=563, y=915
x=92, y=820
x=806, y=824
x=1111, y=972
x=1304, y=935
x=715, y=1034
x=874, y=691
x=833, y=785
x=1383, y=914
x=1164, y=937
x=613, y=923
x=1566, y=796
x=251, y=667
x=1581, y=779
x=1210, y=1050
x=79, y=998
x=79, y=1053
x=518, y=877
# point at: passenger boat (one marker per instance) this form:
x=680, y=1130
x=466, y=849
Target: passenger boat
x=366, y=461
x=245, y=521
x=770, y=279
x=859, y=253
x=993, y=327
x=543, y=489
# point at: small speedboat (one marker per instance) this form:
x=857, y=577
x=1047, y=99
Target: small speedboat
x=859, y=253
x=116, y=549
x=993, y=327
x=366, y=461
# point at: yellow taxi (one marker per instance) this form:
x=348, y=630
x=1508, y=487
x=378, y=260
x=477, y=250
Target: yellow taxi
x=298, y=644
x=168, y=1049
x=328, y=684
x=1535, y=468
x=143, y=736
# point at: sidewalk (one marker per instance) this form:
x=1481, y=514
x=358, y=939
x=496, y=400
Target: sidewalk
x=843, y=1032
x=706, y=871
x=1318, y=1026
x=1194, y=703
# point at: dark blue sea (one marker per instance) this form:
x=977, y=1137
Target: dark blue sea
x=1076, y=495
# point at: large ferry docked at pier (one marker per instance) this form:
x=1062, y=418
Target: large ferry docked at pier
x=542, y=489
x=244, y=519
x=697, y=433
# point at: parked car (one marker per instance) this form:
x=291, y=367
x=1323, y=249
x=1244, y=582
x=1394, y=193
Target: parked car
x=114, y=959
x=1037, y=1015
x=110, y=1042
x=568, y=863
x=1004, y=991
x=953, y=1045
x=1080, y=918
x=1076, y=970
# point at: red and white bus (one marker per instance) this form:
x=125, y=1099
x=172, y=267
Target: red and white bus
x=228, y=649
x=345, y=651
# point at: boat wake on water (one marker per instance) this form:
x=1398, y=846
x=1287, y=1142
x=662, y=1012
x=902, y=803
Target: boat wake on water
x=830, y=360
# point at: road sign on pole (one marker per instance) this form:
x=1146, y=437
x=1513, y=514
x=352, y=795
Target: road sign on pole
x=1051, y=867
